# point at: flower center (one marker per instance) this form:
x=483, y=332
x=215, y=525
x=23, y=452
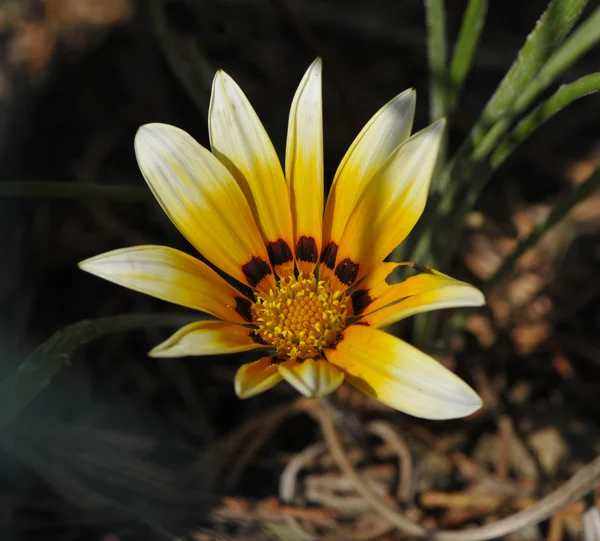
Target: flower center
x=301, y=316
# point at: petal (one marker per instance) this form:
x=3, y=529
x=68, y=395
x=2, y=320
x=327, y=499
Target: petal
x=254, y=378
x=386, y=130
x=390, y=205
x=173, y=276
x=313, y=378
x=239, y=140
x=428, y=294
x=304, y=168
x=208, y=338
x=204, y=201
x=381, y=303
x=371, y=288
x=399, y=375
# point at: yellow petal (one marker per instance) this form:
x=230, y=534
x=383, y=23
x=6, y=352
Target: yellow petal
x=173, y=276
x=208, y=338
x=314, y=378
x=254, y=378
x=204, y=201
x=304, y=168
x=386, y=130
x=382, y=303
x=418, y=294
x=371, y=288
x=390, y=205
x=399, y=375
x=239, y=140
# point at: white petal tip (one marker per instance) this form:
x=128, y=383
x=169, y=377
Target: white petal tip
x=317, y=64
x=479, y=300
x=222, y=78
x=159, y=351
x=171, y=347
x=439, y=125
x=90, y=265
x=470, y=403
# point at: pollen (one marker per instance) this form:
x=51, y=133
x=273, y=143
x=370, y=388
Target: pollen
x=301, y=317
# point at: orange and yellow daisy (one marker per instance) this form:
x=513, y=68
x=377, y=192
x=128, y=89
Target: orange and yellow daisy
x=315, y=288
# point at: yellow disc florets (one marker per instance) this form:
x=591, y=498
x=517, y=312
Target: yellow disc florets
x=300, y=317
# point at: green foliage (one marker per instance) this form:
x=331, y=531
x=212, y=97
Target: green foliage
x=562, y=98
x=436, y=51
x=462, y=59
x=547, y=53
x=37, y=370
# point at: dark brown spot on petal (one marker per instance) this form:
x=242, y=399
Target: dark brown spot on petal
x=279, y=252
x=360, y=300
x=339, y=337
x=255, y=270
x=257, y=338
x=363, y=323
x=243, y=308
x=347, y=271
x=306, y=249
x=276, y=360
x=329, y=255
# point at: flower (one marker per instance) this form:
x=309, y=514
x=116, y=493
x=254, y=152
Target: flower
x=307, y=283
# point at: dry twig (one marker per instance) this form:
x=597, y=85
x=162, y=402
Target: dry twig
x=580, y=484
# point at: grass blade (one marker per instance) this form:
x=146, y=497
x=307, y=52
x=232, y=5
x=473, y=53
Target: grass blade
x=576, y=45
x=436, y=52
x=462, y=58
x=550, y=31
x=563, y=97
x=540, y=46
x=483, y=170
x=564, y=205
x=36, y=371
x=560, y=210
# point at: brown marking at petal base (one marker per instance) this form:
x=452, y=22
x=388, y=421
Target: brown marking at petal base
x=329, y=255
x=363, y=323
x=360, y=300
x=339, y=337
x=347, y=271
x=257, y=338
x=243, y=308
x=306, y=249
x=279, y=252
x=276, y=360
x=255, y=270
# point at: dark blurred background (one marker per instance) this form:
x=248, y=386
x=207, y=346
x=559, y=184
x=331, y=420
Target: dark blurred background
x=120, y=444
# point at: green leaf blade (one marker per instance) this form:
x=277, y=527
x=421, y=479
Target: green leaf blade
x=464, y=51
x=37, y=370
x=437, y=55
